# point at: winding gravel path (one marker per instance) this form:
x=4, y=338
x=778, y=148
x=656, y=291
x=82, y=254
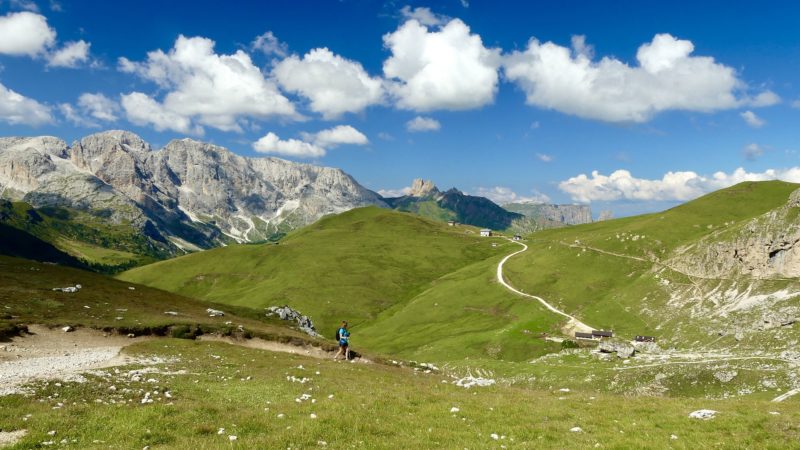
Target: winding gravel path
x=572, y=325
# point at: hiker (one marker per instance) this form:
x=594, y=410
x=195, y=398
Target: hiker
x=344, y=341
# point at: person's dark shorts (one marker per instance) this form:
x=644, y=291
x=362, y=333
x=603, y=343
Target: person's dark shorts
x=343, y=344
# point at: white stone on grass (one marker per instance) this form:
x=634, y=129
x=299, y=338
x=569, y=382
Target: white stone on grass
x=576, y=429
x=703, y=414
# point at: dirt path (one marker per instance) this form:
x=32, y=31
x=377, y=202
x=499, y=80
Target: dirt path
x=572, y=325
x=261, y=344
x=53, y=354
x=48, y=354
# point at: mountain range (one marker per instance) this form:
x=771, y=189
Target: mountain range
x=188, y=195
x=111, y=199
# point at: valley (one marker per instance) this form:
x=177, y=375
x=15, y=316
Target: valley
x=432, y=307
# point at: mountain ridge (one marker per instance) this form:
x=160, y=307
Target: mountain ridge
x=187, y=195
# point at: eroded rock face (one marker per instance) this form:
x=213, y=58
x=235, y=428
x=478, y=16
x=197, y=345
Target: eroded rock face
x=765, y=247
x=192, y=191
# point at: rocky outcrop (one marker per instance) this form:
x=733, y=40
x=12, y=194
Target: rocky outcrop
x=765, y=247
x=192, y=193
x=421, y=188
x=286, y=313
x=564, y=214
x=622, y=349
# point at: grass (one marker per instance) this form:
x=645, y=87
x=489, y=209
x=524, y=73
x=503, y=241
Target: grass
x=352, y=266
x=373, y=406
x=26, y=297
x=593, y=271
x=419, y=289
x=106, y=247
x=464, y=314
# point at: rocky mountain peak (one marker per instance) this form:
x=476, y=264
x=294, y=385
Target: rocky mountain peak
x=125, y=139
x=421, y=188
x=195, y=194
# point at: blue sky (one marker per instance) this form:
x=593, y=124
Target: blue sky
x=629, y=106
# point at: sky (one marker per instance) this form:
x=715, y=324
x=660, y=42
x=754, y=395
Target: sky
x=629, y=106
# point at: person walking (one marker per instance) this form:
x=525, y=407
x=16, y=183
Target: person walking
x=344, y=342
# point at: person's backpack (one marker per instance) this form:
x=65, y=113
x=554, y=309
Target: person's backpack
x=337, y=334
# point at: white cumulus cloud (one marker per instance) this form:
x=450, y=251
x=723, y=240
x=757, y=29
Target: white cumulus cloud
x=204, y=88
x=25, y=33
x=312, y=145
x=504, y=195
x=269, y=45
x=71, y=55
x=543, y=157
x=673, y=186
x=752, y=119
x=445, y=68
x=421, y=124
x=667, y=77
x=339, y=135
x=423, y=15
x=271, y=143
x=91, y=110
x=16, y=109
x=141, y=109
x=392, y=193
x=334, y=85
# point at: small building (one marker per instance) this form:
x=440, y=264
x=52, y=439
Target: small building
x=452, y=223
x=602, y=334
x=645, y=339
x=579, y=335
x=517, y=237
x=486, y=232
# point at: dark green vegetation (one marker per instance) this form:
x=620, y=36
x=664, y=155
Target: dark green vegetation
x=88, y=236
x=17, y=243
x=455, y=205
x=26, y=297
x=246, y=393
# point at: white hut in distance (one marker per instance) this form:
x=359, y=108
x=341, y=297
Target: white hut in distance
x=486, y=232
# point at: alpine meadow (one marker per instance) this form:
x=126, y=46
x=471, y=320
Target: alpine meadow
x=381, y=225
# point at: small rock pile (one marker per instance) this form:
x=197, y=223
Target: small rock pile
x=286, y=313
x=68, y=289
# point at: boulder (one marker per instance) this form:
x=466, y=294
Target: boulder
x=622, y=349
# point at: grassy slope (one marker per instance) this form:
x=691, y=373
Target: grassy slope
x=464, y=314
x=610, y=291
x=17, y=243
x=354, y=266
x=372, y=407
x=98, y=242
x=26, y=297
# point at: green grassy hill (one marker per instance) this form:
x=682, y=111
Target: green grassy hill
x=419, y=289
x=27, y=297
x=353, y=266
x=100, y=244
x=619, y=274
